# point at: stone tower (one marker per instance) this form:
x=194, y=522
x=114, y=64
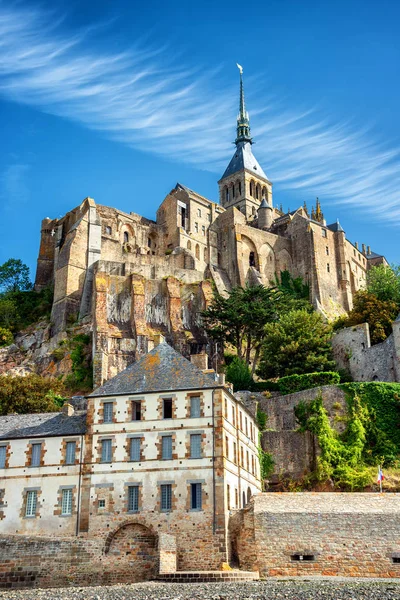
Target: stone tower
x=244, y=184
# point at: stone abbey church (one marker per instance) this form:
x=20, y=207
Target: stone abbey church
x=134, y=278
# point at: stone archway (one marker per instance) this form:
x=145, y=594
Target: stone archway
x=137, y=545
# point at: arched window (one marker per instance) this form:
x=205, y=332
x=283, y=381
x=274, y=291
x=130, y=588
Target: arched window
x=126, y=237
x=226, y=194
x=252, y=188
x=265, y=193
x=244, y=499
x=233, y=190
x=258, y=191
x=248, y=494
x=189, y=245
x=252, y=259
x=205, y=254
x=197, y=251
x=239, y=187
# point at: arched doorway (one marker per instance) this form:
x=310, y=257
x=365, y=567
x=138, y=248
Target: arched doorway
x=138, y=545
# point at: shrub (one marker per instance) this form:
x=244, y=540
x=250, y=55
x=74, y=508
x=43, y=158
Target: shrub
x=296, y=383
x=238, y=373
x=30, y=394
x=6, y=337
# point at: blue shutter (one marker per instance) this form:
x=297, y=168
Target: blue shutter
x=36, y=451
x=166, y=497
x=195, y=445
x=195, y=407
x=106, y=451
x=70, y=453
x=167, y=447
x=196, y=499
x=3, y=453
x=107, y=412
x=135, y=449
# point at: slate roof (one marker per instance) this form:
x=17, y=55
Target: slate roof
x=335, y=227
x=162, y=369
x=244, y=159
x=42, y=425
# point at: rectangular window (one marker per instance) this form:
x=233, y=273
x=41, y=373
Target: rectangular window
x=102, y=503
x=241, y=421
x=248, y=460
x=199, y=212
x=166, y=497
x=66, y=502
x=228, y=495
x=233, y=415
x=195, y=445
x=196, y=227
x=327, y=250
x=195, y=407
x=133, y=498
x=203, y=229
x=328, y=268
x=166, y=447
x=227, y=446
x=167, y=408
x=195, y=496
x=106, y=448
x=234, y=452
x=226, y=409
x=246, y=426
x=70, y=453
x=3, y=454
x=135, y=449
x=107, y=412
x=136, y=411
x=36, y=452
x=236, y=498
x=241, y=456
x=31, y=500
x=324, y=234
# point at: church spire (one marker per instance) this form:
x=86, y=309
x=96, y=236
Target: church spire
x=243, y=123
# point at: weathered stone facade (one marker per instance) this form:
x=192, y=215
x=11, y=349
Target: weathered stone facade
x=132, y=278
x=328, y=534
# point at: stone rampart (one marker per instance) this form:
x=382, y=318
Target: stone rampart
x=319, y=534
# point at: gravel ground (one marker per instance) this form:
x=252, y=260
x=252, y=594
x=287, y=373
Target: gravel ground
x=268, y=590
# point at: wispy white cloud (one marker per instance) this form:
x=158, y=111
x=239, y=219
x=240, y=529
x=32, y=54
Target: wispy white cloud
x=14, y=189
x=141, y=99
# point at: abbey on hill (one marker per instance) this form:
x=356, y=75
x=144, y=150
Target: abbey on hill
x=135, y=278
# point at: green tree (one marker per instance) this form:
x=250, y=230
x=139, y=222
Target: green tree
x=239, y=319
x=6, y=337
x=294, y=286
x=379, y=314
x=384, y=283
x=30, y=394
x=239, y=374
x=14, y=276
x=298, y=343
x=8, y=312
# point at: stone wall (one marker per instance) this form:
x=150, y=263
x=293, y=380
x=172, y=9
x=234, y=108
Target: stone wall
x=325, y=534
x=353, y=351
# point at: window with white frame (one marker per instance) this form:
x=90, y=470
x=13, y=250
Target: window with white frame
x=195, y=445
x=31, y=501
x=106, y=450
x=199, y=212
x=195, y=496
x=70, y=453
x=135, y=449
x=196, y=227
x=107, y=412
x=195, y=407
x=166, y=496
x=166, y=447
x=35, y=456
x=3, y=456
x=133, y=498
x=66, y=502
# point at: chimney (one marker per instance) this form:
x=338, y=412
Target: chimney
x=200, y=360
x=158, y=338
x=364, y=249
x=368, y=249
x=356, y=245
x=221, y=378
x=67, y=409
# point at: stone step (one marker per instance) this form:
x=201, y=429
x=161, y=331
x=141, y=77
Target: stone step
x=208, y=576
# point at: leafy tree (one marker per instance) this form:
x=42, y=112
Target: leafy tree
x=30, y=394
x=238, y=373
x=379, y=314
x=6, y=337
x=14, y=276
x=293, y=286
x=384, y=283
x=239, y=319
x=298, y=343
x=8, y=312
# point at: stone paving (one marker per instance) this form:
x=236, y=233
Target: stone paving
x=334, y=589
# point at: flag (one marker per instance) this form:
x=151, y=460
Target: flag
x=380, y=474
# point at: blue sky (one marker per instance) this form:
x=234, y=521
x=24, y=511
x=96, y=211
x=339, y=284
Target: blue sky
x=120, y=100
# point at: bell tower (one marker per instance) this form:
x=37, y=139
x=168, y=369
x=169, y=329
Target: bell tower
x=244, y=184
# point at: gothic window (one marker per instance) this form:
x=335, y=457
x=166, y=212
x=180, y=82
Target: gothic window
x=226, y=194
x=189, y=245
x=233, y=190
x=197, y=252
x=239, y=184
x=126, y=237
x=258, y=190
x=252, y=188
x=252, y=259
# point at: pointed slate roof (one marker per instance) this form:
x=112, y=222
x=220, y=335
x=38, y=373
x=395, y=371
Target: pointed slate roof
x=244, y=159
x=162, y=369
x=335, y=227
